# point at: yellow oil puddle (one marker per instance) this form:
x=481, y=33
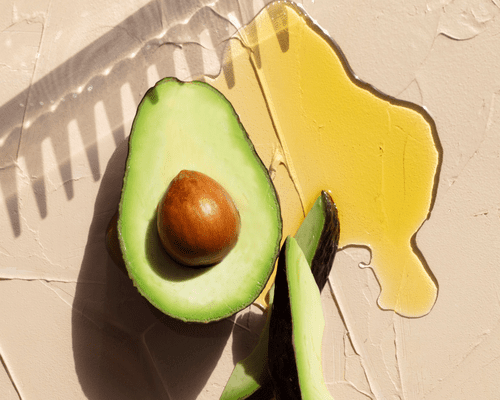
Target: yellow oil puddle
x=377, y=156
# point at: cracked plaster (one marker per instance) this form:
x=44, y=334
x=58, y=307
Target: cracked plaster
x=442, y=54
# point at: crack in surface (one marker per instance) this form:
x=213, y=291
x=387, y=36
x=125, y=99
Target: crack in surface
x=483, y=348
x=28, y=96
x=465, y=20
x=485, y=136
x=348, y=335
x=12, y=380
x=152, y=361
x=399, y=383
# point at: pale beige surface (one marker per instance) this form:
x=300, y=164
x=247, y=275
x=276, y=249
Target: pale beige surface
x=73, y=327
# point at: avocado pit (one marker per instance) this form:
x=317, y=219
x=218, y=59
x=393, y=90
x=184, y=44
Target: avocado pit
x=198, y=222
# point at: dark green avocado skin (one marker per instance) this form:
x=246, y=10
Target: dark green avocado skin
x=282, y=366
x=324, y=255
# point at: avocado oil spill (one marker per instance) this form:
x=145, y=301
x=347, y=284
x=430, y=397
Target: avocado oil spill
x=376, y=155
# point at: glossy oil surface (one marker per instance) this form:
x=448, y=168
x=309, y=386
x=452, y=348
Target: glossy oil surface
x=377, y=156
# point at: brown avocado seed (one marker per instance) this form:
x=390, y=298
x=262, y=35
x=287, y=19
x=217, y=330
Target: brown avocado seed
x=198, y=222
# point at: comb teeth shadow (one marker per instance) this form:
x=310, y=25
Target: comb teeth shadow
x=68, y=94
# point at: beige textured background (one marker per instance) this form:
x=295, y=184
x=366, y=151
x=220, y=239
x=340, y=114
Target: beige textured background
x=73, y=327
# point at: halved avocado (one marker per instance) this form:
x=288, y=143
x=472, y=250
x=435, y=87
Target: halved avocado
x=191, y=126
x=296, y=330
x=318, y=237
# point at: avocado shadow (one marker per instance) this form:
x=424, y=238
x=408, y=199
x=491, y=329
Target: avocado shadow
x=161, y=263
x=242, y=347
x=123, y=347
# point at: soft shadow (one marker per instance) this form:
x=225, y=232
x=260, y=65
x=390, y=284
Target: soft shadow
x=242, y=347
x=162, y=264
x=63, y=105
x=186, y=354
x=123, y=347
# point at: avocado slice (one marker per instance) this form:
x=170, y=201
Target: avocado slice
x=296, y=330
x=318, y=237
x=192, y=126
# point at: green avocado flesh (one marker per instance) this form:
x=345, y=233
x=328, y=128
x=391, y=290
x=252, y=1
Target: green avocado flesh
x=296, y=330
x=318, y=237
x=192, y=126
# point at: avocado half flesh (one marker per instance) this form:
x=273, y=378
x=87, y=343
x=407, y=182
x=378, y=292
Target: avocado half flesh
x=318, y=237
x=192, y=126
x=296, y=330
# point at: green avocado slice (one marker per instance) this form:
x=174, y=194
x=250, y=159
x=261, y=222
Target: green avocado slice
x=192, y=126
x=318, y=237
x=296, y=330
